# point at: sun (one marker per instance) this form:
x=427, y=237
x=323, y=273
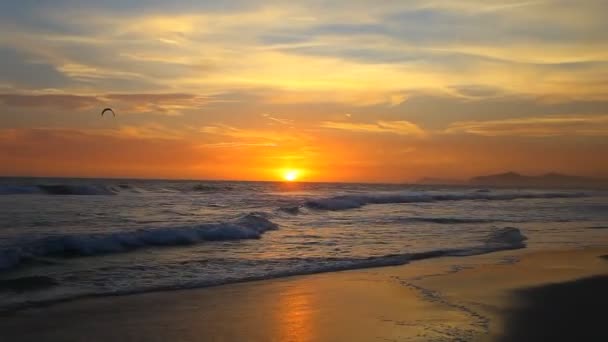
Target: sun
x=291, y=175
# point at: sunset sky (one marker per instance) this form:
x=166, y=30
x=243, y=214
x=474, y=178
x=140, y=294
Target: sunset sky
x=339, y=90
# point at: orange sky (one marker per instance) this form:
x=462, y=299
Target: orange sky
x=341, y=91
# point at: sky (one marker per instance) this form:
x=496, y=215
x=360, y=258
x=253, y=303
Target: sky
x=374, y=91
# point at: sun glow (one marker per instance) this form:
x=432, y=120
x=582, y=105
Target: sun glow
x=291, y=175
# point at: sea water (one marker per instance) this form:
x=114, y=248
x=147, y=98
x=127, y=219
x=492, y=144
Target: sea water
x=67, y=238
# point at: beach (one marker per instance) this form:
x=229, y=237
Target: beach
x=503, y=296
x=303, y=171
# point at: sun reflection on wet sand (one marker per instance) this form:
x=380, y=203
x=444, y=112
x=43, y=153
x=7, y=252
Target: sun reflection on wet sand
x=295, y=314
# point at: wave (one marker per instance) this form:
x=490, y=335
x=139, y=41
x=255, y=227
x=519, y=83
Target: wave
x=70, y=189
x=346, y=202
x=294, y=210
x=250, y=226
x=59, y=189
x=76, y=190
x=18, y=190
x=212, y=188
x=97, y=189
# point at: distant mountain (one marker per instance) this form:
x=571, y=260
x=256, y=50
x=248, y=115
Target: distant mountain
x=547, y=180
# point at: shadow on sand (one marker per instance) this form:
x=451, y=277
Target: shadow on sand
x=571, y=311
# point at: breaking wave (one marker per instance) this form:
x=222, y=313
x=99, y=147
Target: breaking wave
x=60, y=189
x=250, y=226
x=346, y=202
x=212, y=188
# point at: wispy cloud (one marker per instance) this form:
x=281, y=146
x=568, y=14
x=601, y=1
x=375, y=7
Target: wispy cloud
x=545, y=126
x=371, y=56
x=151, y=131
x=50, y=100
x=277, y=120
x=166, y=104
x=392, y=127
x=235, y=132
x=237, y=144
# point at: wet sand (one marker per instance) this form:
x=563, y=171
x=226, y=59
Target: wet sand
x=507, y=296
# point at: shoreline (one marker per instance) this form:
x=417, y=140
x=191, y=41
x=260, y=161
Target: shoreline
x=503, y=239
x=7, y=284
x=445, y=298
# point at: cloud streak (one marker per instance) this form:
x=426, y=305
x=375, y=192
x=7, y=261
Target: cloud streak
x=51, y=100
x=393, y=127
x=236, y=144
x=166, y=104
x=546, y=126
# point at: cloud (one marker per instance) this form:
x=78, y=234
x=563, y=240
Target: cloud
x=154, y=98
x=166, y=104
x=368, y=57
x=285, y=138
x=354, y=97
x=465, y=65
x=151, y=131
x=52, y=100
x=278, y=120
x=393, y=127
x=477, y=92
x=545, y=126
x=94, y=73
x=237, y=144
x=234, y=132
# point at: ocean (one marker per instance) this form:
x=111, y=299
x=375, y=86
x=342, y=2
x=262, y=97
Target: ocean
x=67, y=238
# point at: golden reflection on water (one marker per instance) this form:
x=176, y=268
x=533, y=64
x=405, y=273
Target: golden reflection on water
x=295, y=314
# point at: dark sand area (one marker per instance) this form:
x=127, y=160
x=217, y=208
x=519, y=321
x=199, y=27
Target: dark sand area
x=508, y=296
x=568, y=311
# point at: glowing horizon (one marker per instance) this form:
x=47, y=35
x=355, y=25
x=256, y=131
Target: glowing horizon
x=340, y=91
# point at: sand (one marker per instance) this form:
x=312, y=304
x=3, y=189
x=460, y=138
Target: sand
x=508, y=296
